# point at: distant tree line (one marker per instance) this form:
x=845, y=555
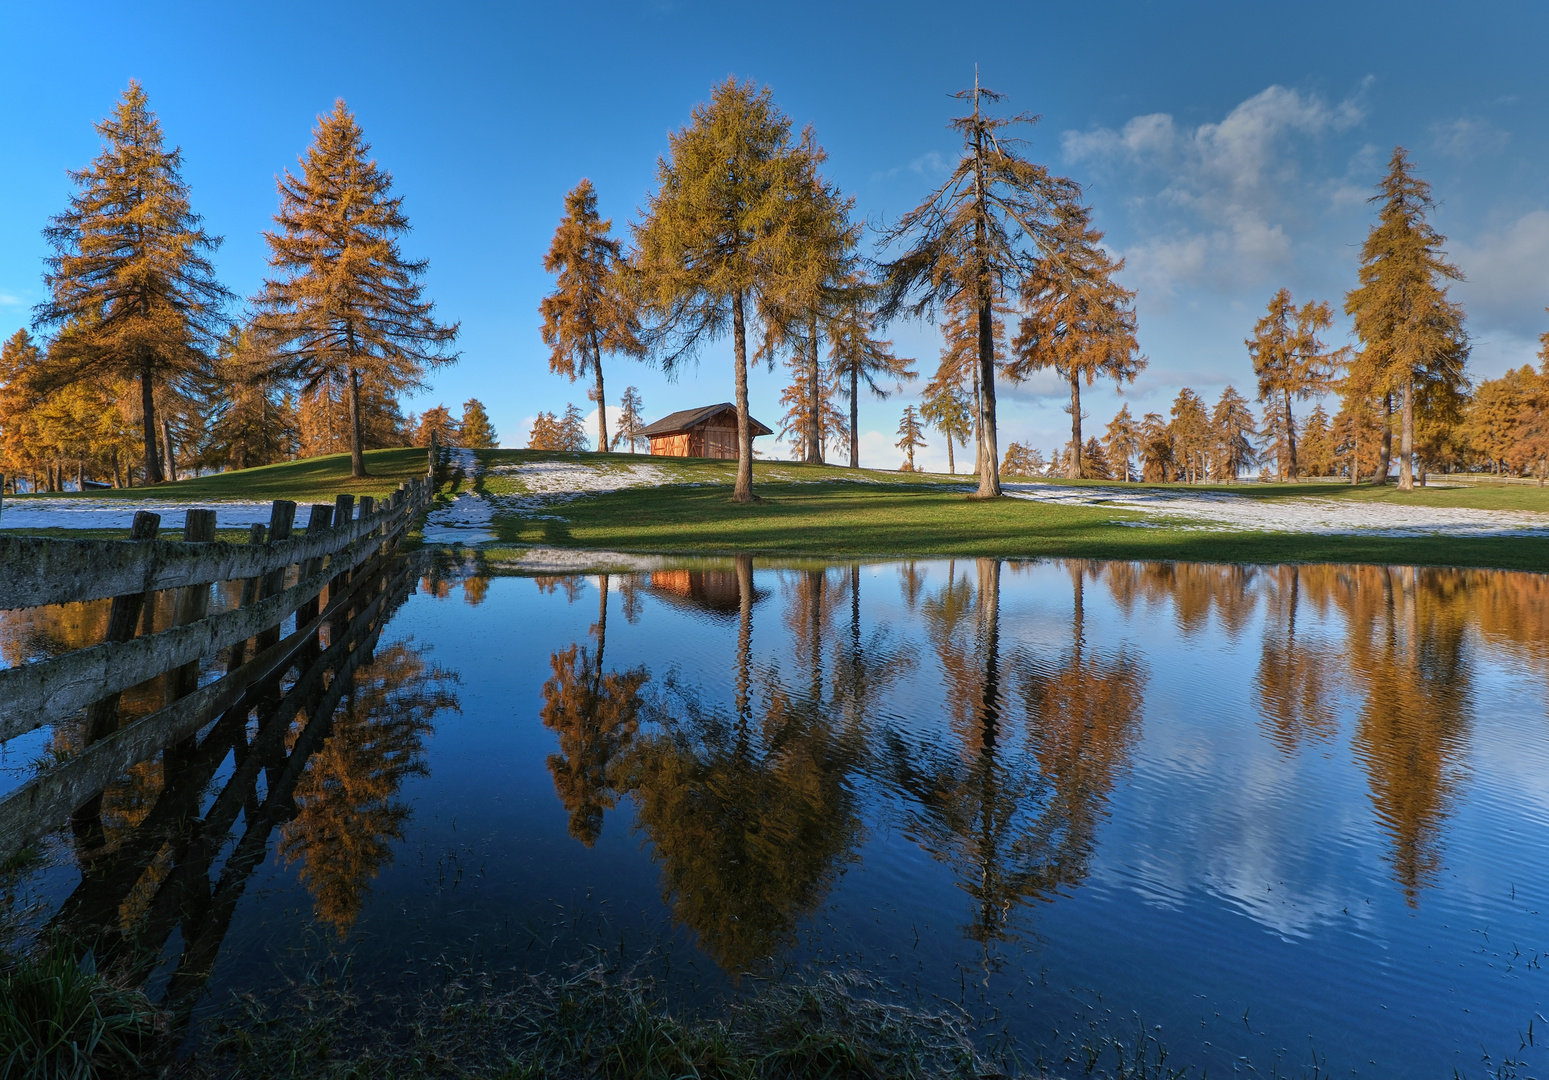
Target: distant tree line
x=144, y=366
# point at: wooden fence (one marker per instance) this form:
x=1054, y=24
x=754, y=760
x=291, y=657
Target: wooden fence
x=335, y=575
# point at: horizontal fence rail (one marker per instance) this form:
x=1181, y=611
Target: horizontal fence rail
x=349, y=558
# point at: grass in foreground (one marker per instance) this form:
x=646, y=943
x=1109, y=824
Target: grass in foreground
x=58, y=1020
x=596, y=1025
x=858, y=520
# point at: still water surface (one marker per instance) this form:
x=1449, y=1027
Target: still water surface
x=1281, y=816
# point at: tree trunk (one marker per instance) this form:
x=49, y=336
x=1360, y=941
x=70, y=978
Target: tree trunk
x=855, y=417
x=743, y=492
x=167, y=452
x=1290, y=439
x=978, y=428
x=1075, y=471
x=814, y=395
x=1406, y=444
x=80, y=474
x=148, y=426
x=951, y=465
x=357, y=450
x=1380, y=477
x=602, y=401
x=989, y=460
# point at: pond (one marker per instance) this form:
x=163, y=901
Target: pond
x=1280, y=817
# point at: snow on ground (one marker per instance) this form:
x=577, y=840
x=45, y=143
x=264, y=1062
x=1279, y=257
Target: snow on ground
x=467, y=519
x=550, y=482
x=88, y=513
x=1219, y=511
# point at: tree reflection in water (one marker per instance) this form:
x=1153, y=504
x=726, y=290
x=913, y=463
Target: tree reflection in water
x=751, y=812
x=348, y=815
x=595, y=714
x=751, y=823
x=1016, y=825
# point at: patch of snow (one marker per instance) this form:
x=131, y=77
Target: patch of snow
x=88, y=513
x=552, y=482
x=466, y=520
x=1219, y=511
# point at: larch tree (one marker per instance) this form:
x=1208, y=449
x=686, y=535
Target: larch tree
x=1291, y=364
x=437, y=424
x=719, y=234
x=344, y=307
x=819, y=288
x=979, y=234
x=590, y=311
x=857, y=355
x=1317, y=447
x=631, y=420
x=911, y=434
x=132, y=290
x=1234, y=427
x=19, y=443
x=476, y=430
x=1021, y=460
x=1122, y=439
x=1191, y=434
x=572, y=429
x=946, y=408
x=254, y=423
x=1412, y=335
x=1076, y=319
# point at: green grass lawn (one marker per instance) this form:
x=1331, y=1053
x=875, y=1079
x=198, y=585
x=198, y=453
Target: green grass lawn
x=311, y=480
x=857, y=520
x=828, y=511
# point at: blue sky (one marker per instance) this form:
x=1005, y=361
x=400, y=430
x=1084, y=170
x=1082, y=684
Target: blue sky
x=1227, y=148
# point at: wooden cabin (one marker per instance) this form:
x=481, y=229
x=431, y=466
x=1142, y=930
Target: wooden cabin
x=710, y=431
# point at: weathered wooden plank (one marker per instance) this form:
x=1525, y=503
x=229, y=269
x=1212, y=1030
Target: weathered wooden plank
x=45, y=570
x=45, y=800
x=34, y=694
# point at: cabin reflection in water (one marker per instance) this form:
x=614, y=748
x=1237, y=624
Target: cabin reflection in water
x=166, y=852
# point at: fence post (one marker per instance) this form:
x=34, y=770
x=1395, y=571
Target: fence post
x=192, y=604
x=281, y=517
x=319, y=521
x=102, y=716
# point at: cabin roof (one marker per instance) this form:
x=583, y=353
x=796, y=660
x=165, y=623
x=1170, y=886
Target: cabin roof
x=684, y=419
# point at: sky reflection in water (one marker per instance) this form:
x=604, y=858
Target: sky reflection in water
x=1281, y=812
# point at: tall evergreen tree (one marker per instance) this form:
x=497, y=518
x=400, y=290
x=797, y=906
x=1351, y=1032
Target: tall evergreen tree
x=1191, y=434
x=1122, y=440
x=477, y=432
x=1291, y=363
x=979, y=234
x=437, y=424
x=1077, y=319
x=131, y=286
x=1412, y=335
x=631, y=420
x=1234, y=428
x=344, y=306
x=912, y=436
x=717, y=234
x=589, y=312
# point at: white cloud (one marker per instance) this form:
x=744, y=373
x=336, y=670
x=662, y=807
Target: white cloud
x=1216, y=198
x=1468, y=137
x=1507, y=275
x=9, y=300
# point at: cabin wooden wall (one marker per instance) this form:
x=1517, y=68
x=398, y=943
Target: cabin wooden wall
x=712, y=442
